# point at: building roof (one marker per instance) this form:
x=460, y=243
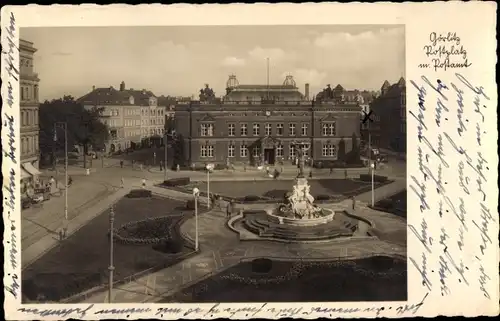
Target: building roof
x=338, y=88
x=112, y=96
x=264, y=87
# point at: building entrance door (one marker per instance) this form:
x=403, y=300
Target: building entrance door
x=269, y=156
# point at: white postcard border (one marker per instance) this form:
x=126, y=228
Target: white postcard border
x=452, y=292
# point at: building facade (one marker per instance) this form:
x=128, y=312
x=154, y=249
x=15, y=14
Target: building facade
x=257, y=124
x=29, y=107
x=388, y=128
x=132, y=116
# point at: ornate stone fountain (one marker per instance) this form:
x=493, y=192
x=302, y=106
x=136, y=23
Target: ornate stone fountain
x=299, y=204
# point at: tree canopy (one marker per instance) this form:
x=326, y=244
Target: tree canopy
x=84, y=127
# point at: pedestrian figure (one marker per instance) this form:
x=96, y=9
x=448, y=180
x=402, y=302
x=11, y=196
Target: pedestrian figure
x=178, y=167
x=161, y=166
x=310, y=174
x=331, y=170
x=123, y=182
x=141, y=166
x=345, y=173
x=52, y=182
x=244, y=167
x=121, y=164
x=144, y=183
x=133, y=163
x=353, y=203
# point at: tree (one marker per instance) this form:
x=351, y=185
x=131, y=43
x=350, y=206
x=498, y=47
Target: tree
x=83, y=125
x=178, y=147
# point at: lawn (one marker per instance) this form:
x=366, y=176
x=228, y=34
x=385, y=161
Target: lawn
x=395, y=204
x=371, y=279
x=81, y=261
x=238, y=189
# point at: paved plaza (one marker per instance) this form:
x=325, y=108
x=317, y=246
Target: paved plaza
x=220, y=248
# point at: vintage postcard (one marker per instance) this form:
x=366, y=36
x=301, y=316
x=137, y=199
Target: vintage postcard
x=250, y=161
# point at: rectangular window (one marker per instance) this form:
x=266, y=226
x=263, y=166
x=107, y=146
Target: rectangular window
x=279, y=150
x=207, y=151
x=256, y=151
x=244, y=130
x=306, y=147
x=230, y=151
x=256, y=129
x=268, y=129
x=328, y=150
x=324, y=151
x=279, y=129
x=304, y=129
x=328, y=129
x=231, y=130
x=243, y=150
x=292, y=152
x=207, y=130
x=292, y=129
x=331, y=151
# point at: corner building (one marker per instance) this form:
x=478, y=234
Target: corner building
x=259, y=124
x=29, y=107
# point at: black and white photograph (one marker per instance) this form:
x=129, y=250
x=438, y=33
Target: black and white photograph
x=213, y=164
x=316, y=160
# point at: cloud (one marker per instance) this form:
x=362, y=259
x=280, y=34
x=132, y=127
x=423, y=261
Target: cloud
x=233, y=62
x=311, y=76
x=339, y=39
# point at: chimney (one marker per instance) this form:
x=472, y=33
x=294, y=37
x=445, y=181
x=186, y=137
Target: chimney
x=93, y=88
x=122, y=86
x=306, y=92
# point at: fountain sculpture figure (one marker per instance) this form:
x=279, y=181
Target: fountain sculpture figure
x=300, y=203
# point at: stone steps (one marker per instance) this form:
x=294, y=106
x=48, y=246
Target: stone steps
x=260, y=226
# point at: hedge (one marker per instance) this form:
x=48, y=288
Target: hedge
x=251, y=198
x=336, y=164
x=180, y=181
x=139, y=193
x=376, y=178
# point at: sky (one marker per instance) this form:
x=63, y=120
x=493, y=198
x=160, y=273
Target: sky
x=179, y=60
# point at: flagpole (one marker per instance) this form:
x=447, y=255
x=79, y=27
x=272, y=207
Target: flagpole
x=267, y=78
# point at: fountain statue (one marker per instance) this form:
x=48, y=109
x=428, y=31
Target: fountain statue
x=300, y=203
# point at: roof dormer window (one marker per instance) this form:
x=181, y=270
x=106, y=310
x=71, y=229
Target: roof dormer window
x=131, y=100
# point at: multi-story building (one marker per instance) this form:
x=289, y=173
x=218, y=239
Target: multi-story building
x=259, y=124
x=132, y=116
x=388, y=128
x=29, y=107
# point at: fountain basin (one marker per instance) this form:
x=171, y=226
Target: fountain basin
x=260, y=225
x=274, y=217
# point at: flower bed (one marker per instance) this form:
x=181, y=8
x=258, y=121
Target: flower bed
x=152, y=230
x=376, y=178
x=180, y=181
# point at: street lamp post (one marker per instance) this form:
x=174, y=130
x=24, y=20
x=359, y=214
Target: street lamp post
x=209, y=168
x=64, y=126
x=165, y=142
x=373, y=185
x=196, y=194
x=111, y=267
